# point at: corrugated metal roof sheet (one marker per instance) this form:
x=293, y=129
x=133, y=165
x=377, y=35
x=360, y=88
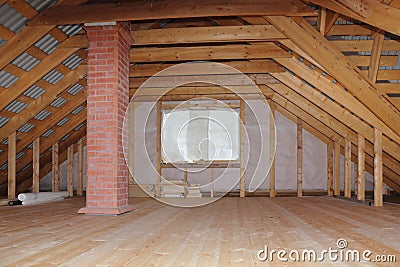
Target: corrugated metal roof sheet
x=34, y=91
x=26, y=61
x=65, y=136
x=11, y=19
x=19, y=155
x=26, y=167
x=42, y=115
x=72, y=62
x=26, y=128
x=30, y=146
x=62, y=122
x=79, y=126
x=53, y=77
x=70, y=30
x=5, y=141
x=48, y=133
x=58, y=102
x=77, y=110
x=76, y=88
x=47, y=44
x=7, y=79
x=4, y=166
x=40, y=5
x=3, y=121
x=2, y=41
x=16, y=106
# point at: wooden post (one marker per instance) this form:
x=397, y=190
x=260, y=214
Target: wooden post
x=212, y=182
x=272, y=192
x=378, y=170
x=12, y=151
x=361, y=168
x=36, y=165
x=356, y=178
x=337, y=168
x=347, y=168
x=330, y=168
x=299, y=158
x=70, y=159
x=242, y=140
x=159, y=159
x=55, y=171
x=79, y=188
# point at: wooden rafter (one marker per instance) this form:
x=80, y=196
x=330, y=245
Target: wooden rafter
x=326, y=19
x=375, y=55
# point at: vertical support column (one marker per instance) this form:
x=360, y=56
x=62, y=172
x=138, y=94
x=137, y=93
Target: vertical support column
x=356, y=178
x=36, y=165
x=70, y=171
x=12, y=151
x=107, y=103
x=361, y=168
x=347, y=168
x=79, y=187
x=299, y=157
x=330, y=168
x=242, y=140
x=131, y=149
x=159, y=155
x=55, y=169
x=337, y=168
x=378, y=169
x=272, y=192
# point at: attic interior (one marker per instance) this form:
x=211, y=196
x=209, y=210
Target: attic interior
x=211, y=128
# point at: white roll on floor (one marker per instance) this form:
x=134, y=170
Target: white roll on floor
x=42, y=195
x=40, y=201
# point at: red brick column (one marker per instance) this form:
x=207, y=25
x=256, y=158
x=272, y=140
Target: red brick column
x=107, y=101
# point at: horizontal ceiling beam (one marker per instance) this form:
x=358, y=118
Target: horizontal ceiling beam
x=144, y=10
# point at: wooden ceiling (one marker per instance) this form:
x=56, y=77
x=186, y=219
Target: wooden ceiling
x=333, y=64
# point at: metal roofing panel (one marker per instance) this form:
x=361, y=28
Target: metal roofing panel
x=30, y=146
x=3, y=121
x=48, y=133
x=53, y=77
x=34, y=92
x=42, y=115
x=11, y=19
x=62, y=122
x=65, y=136
x=4, y=166
x=58, y=102
x=16, y=106
x=70, y=30
x=26, y=167
x=47, y=44
x=2, y=41
x=5, y=141
x=77, y=110
x=76, y=88
x=40, y=5
x=72, y=61
x=26, y=128
x=79, y=126
x=26, y=61
x=7, y=79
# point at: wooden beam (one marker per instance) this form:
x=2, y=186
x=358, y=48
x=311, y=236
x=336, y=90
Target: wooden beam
x=12, y=140
x=378, y=169
x=370, y=11
x=272, y=146
x=168, y=9
x=321, y=50
x=55, y=173
x=206, y=35
x=299, y=158
x=330, y=168
x=347, y=168
x=23, y=7
x=70, y=170
x=377, y=45
x=5, y=33
x=337, y=168
x=326, y=19
x=36, y=165
x=79, y=190
x=242, y=147
x=226, y=52
x=361, y=168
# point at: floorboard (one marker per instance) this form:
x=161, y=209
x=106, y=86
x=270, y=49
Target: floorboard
x=228, y=232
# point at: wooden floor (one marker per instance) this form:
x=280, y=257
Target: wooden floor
x=226, y=233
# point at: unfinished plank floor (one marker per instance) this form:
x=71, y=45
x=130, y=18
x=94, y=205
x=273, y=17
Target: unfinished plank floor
x=226, y=233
